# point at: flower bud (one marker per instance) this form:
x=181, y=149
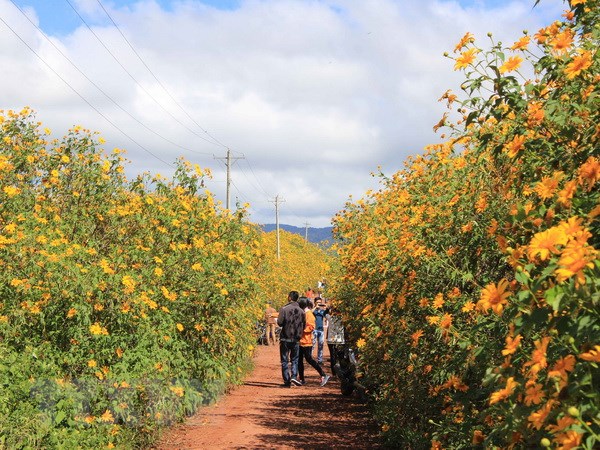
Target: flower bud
x=545, y=442
x=573, y=411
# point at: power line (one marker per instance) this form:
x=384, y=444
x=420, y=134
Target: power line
x=81, y=96
x=135, y=80
x=101, y=90
x=156, y=78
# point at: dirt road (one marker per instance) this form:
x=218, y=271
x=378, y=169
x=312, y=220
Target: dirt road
x=260, y=414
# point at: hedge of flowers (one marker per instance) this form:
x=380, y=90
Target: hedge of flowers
x=124, y=305
x=471, y=278
x=300, y=265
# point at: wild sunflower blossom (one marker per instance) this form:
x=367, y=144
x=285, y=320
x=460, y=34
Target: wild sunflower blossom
x=545, y=242
x=579, y=64
x=503, y=394
x=511, y=64
x=511, y=345
x=494, y=296
x=513, y=147
x=521, y=44
x=534, y=394
x=466, y=39
x=467, y=57
x=575, y=258
x=589, y=173
x=592, y=355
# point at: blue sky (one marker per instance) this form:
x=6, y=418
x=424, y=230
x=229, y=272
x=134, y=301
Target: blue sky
x=315, y=95
x=57, y=17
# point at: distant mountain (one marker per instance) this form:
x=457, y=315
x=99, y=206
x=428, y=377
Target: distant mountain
x=315, y=235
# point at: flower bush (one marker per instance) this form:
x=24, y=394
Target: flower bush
x=471, y=279
x=124, y=305
x=301, y=264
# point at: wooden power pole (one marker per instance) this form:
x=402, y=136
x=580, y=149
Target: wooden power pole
x=228, y=163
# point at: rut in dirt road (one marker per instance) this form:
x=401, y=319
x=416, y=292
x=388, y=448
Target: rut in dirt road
x=260, y=414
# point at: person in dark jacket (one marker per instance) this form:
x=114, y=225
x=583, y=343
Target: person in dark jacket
x=291, y=319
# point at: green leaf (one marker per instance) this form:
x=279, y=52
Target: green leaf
x=60, y=415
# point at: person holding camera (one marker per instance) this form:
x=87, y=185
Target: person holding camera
x=320, y=313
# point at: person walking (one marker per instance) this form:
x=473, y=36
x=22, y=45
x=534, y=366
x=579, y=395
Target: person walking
x=306, y=345
x=292, y=321
x=271, y=321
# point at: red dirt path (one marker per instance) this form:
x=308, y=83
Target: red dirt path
x=262, y=415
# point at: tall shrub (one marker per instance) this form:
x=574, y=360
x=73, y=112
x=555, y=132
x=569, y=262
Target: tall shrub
x=471, y=278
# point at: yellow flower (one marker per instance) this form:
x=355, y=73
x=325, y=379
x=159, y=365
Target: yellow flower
x=511, y=345
x=579, y=64
x=545, y=243
x=548, y=185
x=467, y=57
x=129, y=284
x=415, y=337
x=446, y=321
x=589, y=173
x=360, y=343
x=72, y=312
x=11, y=191
x=466, y=39
x=96, y=329
x=521, y=43
x=158, y=272
x=494, y=296
x=92, y=363
x=538, y=356
x=512, y=63
x=438, y=301
x=179, y=327
x=107, y=417
x=178, y=391
x=592, y=355
x=514, y=147
x=502, y=394
x=468, y=307
x=534, y=394
x=575, y=258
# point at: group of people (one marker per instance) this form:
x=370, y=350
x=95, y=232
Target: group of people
x=302, y=321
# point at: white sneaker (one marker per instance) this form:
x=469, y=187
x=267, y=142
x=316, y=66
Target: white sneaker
x=325, y=379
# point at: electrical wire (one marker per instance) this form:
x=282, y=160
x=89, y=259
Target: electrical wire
x=101, y=90
x=156, y=78
x=82, y=97
x=135, y=80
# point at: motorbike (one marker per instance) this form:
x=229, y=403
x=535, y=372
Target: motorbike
x=345, y=369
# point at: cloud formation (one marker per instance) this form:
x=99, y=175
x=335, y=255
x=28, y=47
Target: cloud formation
x=314, y=94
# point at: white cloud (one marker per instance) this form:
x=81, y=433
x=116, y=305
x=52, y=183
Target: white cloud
x=315, y=94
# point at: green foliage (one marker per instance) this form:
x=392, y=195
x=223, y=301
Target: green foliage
x=473, y=273
x=123, y=305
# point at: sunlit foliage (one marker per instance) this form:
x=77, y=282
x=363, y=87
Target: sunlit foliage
x=124, y=305
x=472, y=277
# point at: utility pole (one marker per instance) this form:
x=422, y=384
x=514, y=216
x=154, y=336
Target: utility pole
x=228, y=162
x=277, y=201
x=306, y=224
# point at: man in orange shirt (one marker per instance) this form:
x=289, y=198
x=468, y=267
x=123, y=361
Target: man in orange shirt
x=306, y=345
